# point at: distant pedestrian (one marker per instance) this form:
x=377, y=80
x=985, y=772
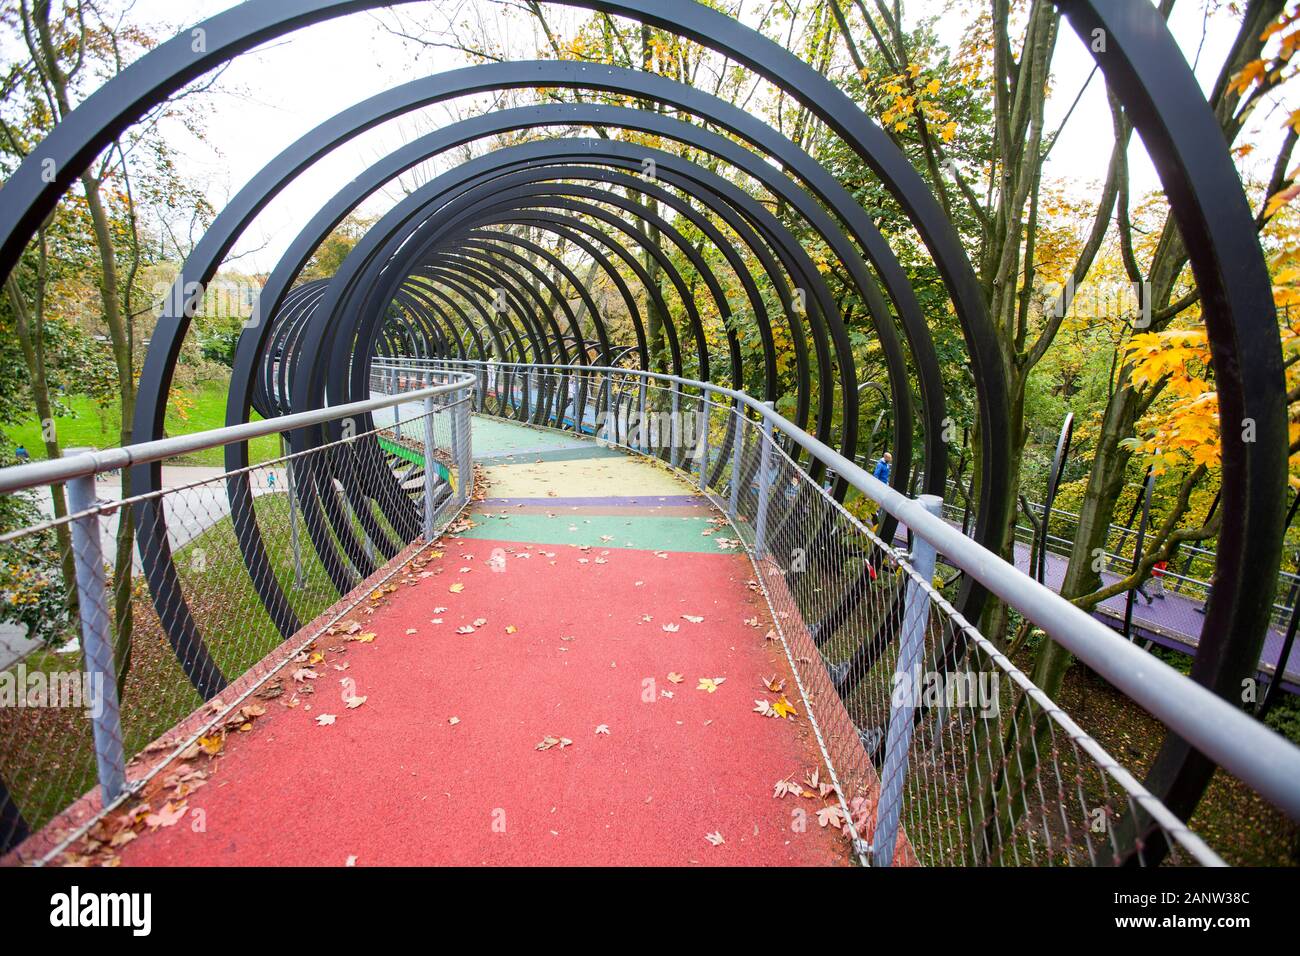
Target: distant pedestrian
x=22, y=455
x=882, y=468
x=1156, y=585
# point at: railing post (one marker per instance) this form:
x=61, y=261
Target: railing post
x=430, y=466
x=905, y=689
x=611, y=423
x=97, y=636
x=674, y=431
x=574, y=393
x=466, y=451
x=397, y=409
x=294, y=544
x=705, y=406
x=764, y=484
x=737, y=458
x=643, y=427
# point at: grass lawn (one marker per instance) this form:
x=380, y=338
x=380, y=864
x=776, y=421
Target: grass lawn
x=95, y=427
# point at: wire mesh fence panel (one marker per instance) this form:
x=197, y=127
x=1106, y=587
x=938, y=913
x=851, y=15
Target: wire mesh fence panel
x=47, y=755
x=204, y=588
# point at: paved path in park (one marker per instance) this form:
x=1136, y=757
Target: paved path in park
x=531, y=696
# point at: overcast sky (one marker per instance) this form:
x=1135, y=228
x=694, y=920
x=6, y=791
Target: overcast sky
x=268, y=98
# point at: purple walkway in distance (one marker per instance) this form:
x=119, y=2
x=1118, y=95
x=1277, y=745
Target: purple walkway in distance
x=1173, y=622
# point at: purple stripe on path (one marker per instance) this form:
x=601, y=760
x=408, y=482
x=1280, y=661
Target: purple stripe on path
x=612, y=500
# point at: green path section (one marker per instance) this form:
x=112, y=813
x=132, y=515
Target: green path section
x=626, y=492
x=494, y=438
x=413, y=456
x=561, y=454
x=631, y=531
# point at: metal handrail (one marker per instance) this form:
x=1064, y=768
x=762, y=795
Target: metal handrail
x=56, y=470
x=1227, y=735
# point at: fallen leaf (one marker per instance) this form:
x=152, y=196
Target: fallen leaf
x=456, y=588
x=783, y=708
x=831, y=816
x=212, y=745
x=675, y=677
x=453, y=721
x=464, y=629
x=672, y=628
x=168, y=816
x=692, y=618
x=411, y=630
x=479, y=621
x=784, y=787
x=354, y=702
x=550, y=740
x=603, y=729
x=715, y=838
x=305, y=673
x=324, y=720
x=774, y=684
x=710, y=684
x=510, y=629
x=351, y=861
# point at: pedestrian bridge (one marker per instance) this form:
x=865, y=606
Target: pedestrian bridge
x=572, y=648
x=480, y=609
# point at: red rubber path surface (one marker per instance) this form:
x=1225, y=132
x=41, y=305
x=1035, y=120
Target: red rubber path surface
x=395, y=781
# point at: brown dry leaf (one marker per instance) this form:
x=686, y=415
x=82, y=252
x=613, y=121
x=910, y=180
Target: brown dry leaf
x=168, y=816
x=456, y=588
x=774, y=684
x=510, y=629
x=305, y=673
x=550, y=740
x=252, y=710
x=367, y=638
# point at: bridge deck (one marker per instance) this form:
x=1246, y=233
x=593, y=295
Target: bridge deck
x=577, y=560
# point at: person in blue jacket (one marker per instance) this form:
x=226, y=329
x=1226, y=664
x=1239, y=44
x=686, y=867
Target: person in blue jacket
x=882, y=468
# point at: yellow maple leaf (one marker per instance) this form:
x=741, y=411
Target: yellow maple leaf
x=784, y=708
